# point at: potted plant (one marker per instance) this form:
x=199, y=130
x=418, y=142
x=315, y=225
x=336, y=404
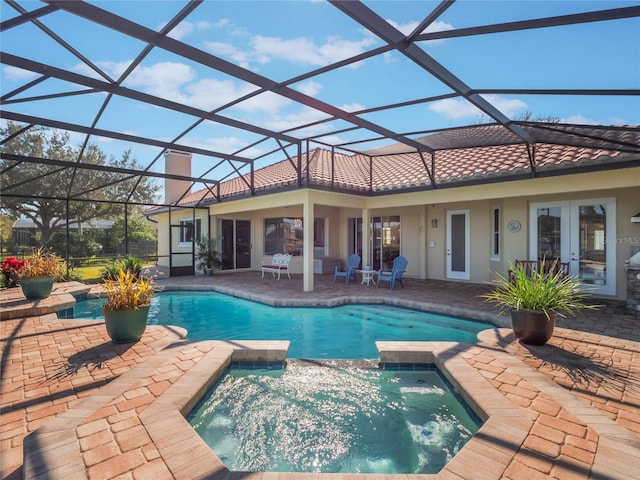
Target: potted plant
x=127, y=306
x=536, y=298
x=38, y=273
x=208, y=258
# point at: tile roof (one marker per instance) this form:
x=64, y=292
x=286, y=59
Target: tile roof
x=400, y=171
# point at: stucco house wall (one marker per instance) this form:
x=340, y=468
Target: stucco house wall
x=424, y=219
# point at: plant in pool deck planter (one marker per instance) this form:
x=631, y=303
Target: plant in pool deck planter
x=208, y=258
x=39, y=272
x=10, y=268
x=535, y=299
x=127, y=306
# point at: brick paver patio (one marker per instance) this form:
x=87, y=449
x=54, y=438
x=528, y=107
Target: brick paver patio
x=580, y=393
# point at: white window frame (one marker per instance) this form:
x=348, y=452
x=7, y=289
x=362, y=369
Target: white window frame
x=197, y=231
x=496, y=233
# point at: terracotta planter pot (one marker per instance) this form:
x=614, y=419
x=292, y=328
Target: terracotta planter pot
x=126, y=326
x=532, y=327
x=37, y=287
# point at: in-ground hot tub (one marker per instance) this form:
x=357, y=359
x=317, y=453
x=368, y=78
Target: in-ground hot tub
x=336, y=416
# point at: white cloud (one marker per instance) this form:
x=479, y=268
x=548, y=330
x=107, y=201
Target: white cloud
x=163, y=79
x=221, y=144
x=210, y=93
x=302, y=117
x=230, y=51
x=331, y=139
x=405, y=28
x=304, y=51
x=113, y=69
x=409, y=27
x=184, y=28
x=457, y=108
x=618, y=121
x=205, y=25
x=266, y=102
x=352, y=107
x=578, y=120
x=438, y=27
x=509, y=106
x=181, y=30
x=310, y=88
x=14, y=73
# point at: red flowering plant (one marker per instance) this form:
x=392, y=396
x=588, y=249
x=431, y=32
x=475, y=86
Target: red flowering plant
x=11, y=268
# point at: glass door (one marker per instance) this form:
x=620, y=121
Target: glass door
x=243, y=244
x=592, y=255
x=577, y=232
x=355, y=236
x=385, y=241
x=236, y=244
x=458, y=245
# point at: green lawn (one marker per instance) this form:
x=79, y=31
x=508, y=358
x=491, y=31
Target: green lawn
x=93, y=272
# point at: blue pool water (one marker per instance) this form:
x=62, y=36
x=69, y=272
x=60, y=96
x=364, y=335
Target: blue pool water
x=338, y=420
x=348, y=331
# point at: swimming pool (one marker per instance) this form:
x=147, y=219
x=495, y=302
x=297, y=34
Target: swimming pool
x=348, y=331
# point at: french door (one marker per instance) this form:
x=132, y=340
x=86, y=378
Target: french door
x=579, y=232
x=458, y=245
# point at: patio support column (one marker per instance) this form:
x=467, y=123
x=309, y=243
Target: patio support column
x=422, y=242
x=366, y=241
x=213, y=225
x=307, y=259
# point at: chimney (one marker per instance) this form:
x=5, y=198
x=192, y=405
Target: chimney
x=176, y=163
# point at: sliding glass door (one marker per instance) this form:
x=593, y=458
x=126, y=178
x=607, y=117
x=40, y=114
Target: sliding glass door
x=236, y=244
x=385, y=241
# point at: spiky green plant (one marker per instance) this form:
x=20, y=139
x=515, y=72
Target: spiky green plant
x=127, y=291
x=128, y=263
x=546, y=290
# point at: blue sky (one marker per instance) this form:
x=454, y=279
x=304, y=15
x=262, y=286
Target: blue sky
x=283, y=39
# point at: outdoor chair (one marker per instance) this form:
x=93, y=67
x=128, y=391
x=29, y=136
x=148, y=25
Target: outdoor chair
x=395, y=275
x=280, y=263
x=350, y=270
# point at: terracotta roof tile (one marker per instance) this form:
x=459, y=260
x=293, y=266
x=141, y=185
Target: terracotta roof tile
x=407, y=170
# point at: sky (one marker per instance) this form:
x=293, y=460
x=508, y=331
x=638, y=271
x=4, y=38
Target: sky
x=283, y=39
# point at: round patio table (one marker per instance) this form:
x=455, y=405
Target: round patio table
x=367, y=276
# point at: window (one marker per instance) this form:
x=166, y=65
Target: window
x=188, y=232
x=285, y=235
x=495, y=234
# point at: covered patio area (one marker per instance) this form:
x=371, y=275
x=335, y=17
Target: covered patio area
x=577, y=398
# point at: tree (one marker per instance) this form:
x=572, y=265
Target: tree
x=6, y=232
x=38, y=191
x=138, y=230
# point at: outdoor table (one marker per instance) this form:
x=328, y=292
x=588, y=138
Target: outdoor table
x=367, y=276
